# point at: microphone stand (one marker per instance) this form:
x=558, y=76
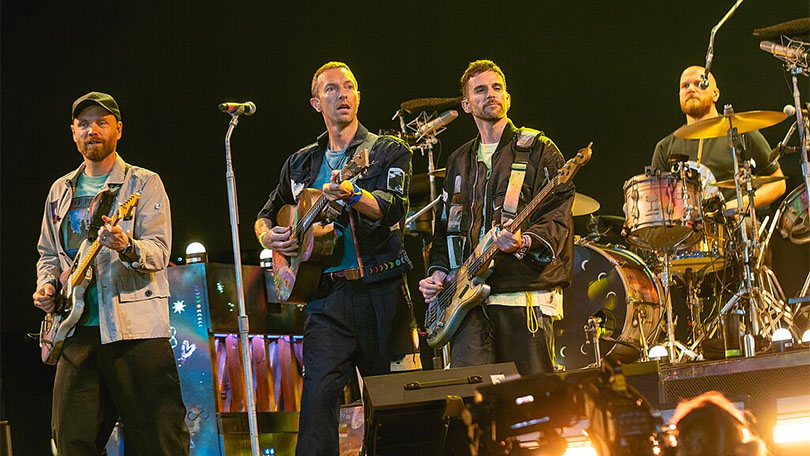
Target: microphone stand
x=710, y=50
x=795, y=71
x=242, y=319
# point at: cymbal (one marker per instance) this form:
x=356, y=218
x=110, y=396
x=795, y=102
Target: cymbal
x=717, y=127
x=756, y=181
x=584, y=205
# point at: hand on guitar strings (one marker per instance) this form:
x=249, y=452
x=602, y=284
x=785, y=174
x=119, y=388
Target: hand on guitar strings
x=112, y=237
x=279, y=239
x=507, y=241
x=432, y=285
x=334, y=190
x=44, y=297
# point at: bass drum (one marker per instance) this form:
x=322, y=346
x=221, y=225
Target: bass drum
x=615, y=285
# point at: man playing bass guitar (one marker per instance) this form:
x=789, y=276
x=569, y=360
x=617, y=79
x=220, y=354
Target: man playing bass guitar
x=352, y=312
x=534, y=262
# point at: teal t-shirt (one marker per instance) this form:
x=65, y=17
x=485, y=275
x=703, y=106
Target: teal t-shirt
x=335, y=160
x=74, y=231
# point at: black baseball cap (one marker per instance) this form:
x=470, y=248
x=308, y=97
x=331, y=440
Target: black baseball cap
x=102, y=99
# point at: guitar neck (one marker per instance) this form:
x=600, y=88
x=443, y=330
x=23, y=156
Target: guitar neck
x=78, y=275
x=477, y=264
x=309, y=218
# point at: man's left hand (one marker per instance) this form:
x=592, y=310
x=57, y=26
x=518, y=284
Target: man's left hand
x=335, y=190
x=112, y=237
x=507, y=241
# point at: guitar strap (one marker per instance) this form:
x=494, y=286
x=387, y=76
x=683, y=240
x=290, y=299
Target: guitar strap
x=367, y=143
x=455, y=241
x=525, y=139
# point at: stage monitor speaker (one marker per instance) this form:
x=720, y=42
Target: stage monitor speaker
x=405, y=412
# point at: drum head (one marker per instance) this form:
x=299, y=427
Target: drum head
x=794, y=223
x=607, y=282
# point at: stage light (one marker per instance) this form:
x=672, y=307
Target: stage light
x=792, y=430
x=195, y=253
x=580, y=446
x=782, y=339
x=806, y=337
x=658, y=352
x=266, y=259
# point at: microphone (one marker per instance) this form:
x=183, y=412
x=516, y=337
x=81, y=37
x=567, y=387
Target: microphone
x=248, y=108
x=780, y=148
x=783, y=51
x=438, y=123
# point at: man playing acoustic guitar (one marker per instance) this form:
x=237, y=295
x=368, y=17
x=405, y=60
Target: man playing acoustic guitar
x=352, y=317
x=534, y=262
x=118, y=361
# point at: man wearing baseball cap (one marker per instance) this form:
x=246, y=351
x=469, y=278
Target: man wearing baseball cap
x=117, y=362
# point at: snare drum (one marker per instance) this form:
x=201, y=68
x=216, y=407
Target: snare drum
x=615, y=285
x=794, y=224
x=663, y=211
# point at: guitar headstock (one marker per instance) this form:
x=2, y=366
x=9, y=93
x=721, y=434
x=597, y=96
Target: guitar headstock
x=355, y=166
x=571, y=167
x=126, y=207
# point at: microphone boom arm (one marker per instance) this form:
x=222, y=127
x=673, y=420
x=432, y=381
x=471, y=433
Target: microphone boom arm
x=704, y=84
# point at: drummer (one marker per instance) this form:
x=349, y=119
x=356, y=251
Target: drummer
x=699, y=104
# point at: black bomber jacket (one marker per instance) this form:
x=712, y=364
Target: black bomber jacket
x=387, y=178
x=549, y=262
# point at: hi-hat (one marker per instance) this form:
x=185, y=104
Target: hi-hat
x=717, y=127
x=756, y=181
x=584, y=205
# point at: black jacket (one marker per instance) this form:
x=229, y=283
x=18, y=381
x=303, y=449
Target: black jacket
x=549, y=263
x=387, y=178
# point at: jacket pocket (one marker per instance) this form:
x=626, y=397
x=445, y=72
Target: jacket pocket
x=132, y=288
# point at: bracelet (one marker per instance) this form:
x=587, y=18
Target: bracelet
x=524, y=247
x=357, y=194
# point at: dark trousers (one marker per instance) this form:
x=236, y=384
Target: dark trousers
x=498, y=334
x=135, y=380
x=351, y=326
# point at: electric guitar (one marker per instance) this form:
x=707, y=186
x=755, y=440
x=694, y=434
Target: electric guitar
x=465, y=287
x=296, y=278
x=57, y=325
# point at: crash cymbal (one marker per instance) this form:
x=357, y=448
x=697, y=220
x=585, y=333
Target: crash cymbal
x=584, y=205
x=717, y=127
x=756, y=181
x=441, y=172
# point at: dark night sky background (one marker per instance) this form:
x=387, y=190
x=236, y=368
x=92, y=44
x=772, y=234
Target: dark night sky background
x=601, y=71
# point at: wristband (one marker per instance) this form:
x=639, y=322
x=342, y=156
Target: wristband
x=357, y=194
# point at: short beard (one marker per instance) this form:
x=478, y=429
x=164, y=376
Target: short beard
x=97, y=155
x=696, y=110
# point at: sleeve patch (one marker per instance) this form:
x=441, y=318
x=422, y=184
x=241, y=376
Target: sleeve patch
x=396, y=180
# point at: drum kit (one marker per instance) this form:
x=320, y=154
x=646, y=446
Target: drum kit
x=677, y=232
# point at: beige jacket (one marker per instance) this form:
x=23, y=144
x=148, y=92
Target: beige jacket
x=133, y=297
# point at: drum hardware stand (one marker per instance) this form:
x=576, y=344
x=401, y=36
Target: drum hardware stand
x=640, y=317
x=592, y=334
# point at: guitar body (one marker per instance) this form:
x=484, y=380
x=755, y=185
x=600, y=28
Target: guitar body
x=57, y=326
x=462, y=291
x=296, y=278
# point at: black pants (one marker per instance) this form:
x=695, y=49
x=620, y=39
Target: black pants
x=351, y=326
x=499, y=334
x=135, y=380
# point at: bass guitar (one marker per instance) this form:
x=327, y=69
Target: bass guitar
x=465, y=287
x=296, y=278
x=57, y=325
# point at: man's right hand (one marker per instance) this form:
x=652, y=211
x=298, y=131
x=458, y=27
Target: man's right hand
x=280, y=239
x=431, y=286
x=44, y=297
